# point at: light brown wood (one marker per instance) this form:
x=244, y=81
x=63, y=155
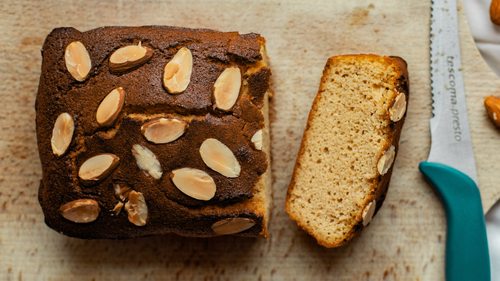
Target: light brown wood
x=405, y=241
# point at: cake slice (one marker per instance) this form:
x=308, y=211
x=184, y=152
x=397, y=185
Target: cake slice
x=348, y=149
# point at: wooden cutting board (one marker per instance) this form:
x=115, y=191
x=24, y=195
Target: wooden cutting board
x=405, y=241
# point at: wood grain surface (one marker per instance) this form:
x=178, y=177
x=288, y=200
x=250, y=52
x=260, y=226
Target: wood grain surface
x=405, y=241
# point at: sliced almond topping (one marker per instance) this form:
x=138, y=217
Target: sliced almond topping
x=163, y=130
x=118, y=208
x=129, y=57
x=147, y=161
x=80, y=211
x=368, y=212
x=385, y=162
x=399, y=108
x=227, y=88
x=178, y=72
x=62, y=134
x=122, y=193
x=136, y=208
x=232, y=225
x=98, y=168
x=194, y=183
x=257, y=140
x=116, y=187
x=77, y=60
x=220, y=158
x=110, y=107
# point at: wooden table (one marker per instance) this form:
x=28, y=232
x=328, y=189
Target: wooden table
x=405, y=241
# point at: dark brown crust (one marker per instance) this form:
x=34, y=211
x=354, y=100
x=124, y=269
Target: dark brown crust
x=258, y=85
x=382, y=184
x=169, y=210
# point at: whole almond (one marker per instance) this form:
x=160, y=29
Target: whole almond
x=110, y=107
x=492, y=105
x=98, y=168
x=177, y=74
x=232, y=225
x=220, y=158
x=495, y=12
x=227, y=88
x=62, y=134
x=80, y=211
x=163, y=130
x=129, y=57
x=194, y=183
x=77, y=60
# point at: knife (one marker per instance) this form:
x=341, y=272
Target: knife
x=451, y=168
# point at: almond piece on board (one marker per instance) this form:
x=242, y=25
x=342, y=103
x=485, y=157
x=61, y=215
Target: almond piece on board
x=492, y=105
x=495, y=12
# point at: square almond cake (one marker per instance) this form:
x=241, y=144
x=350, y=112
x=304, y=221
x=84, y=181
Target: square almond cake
x=151, y=130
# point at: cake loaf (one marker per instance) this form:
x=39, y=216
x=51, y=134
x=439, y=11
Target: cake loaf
x=348, y=149
x=152, y=130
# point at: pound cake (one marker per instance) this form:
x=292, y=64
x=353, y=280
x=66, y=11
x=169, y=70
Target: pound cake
x=348, y=149
x=152, y=130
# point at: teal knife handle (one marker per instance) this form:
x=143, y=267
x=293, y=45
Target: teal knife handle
x=467, y=256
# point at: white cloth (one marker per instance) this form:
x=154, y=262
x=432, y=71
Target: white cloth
x=487, y=37
x=485, y=33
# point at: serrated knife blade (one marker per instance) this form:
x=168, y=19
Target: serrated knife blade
x=451, y=168
x=451, y=140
